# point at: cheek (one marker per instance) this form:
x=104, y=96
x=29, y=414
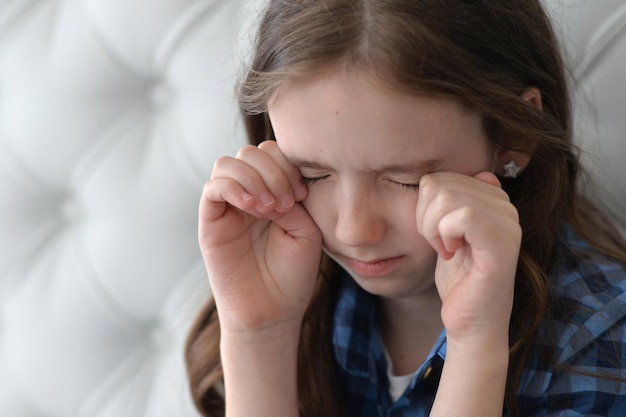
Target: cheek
x=404, y=221
x=324, y=215
x=320, y=208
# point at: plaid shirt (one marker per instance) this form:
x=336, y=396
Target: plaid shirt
x=587, y=330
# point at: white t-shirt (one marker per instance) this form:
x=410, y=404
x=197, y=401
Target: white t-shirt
x=397, y=383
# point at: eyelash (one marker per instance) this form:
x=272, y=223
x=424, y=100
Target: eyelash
x=406, y=186
x=313, y=180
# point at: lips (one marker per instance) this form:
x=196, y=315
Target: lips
x=376, y=268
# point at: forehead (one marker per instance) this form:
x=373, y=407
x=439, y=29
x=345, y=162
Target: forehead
x=352, y=113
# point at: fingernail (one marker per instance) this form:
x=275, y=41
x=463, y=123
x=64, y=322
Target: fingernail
x=287, y=200
x=266, y=199
x=300, y=191
x=246, y=197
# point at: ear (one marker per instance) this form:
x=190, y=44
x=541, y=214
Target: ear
x=510, y=164
x=532, y=96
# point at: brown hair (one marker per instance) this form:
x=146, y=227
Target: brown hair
x=483, y=53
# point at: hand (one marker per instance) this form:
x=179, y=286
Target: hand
x=475, y=230
x=261, y=248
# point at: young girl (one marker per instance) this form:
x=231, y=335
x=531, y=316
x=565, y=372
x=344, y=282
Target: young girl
x=406, y=235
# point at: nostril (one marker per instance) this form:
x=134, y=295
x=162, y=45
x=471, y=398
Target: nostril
x=359, y=229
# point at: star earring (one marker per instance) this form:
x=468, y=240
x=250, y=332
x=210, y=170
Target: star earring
x=511, y=170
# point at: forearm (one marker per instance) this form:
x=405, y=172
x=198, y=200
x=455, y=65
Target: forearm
x=473, y=381
x=260, y=374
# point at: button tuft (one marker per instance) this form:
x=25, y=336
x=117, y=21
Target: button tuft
x=159, y=338
x=69, y=210
x=160, y=95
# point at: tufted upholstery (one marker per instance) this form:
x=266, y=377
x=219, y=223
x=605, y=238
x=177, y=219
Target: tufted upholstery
x=111, y=113
x=594, y=34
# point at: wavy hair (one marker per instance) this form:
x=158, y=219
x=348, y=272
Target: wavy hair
x=482, y=53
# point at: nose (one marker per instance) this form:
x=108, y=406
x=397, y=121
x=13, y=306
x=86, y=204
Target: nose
x=360, y=221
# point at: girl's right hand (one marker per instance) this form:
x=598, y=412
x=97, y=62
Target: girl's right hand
x=260, y=246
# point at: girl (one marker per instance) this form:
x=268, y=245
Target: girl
x=407, y=236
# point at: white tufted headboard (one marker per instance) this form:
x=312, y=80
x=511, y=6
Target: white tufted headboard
x=594, y=34
x=111, y=114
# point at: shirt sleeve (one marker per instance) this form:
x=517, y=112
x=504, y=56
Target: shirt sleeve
x=592, y=382
x=579, y=366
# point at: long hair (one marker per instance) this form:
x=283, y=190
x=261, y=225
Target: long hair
x=482, y=53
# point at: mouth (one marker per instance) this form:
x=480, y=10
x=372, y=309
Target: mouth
x=373, y=268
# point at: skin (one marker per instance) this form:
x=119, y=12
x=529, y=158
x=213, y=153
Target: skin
x=401, y=192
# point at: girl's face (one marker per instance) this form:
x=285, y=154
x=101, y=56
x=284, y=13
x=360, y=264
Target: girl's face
x=362, y=150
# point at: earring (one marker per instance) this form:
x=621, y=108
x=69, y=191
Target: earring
x=511, y=170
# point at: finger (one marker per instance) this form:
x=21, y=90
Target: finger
x=441, y=203
x=458, y=227
x=273, y=175
x=219, y=193
x=484, y=234
x=249, y=180
x=292, y=172
x=429, y=213
x=429, y=186
x=453, y=228
x=489, y=178
x=484, y=184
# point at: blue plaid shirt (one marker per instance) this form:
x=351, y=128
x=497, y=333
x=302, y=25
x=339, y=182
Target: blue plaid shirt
x=592, y=339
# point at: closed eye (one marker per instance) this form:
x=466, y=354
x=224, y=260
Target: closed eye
x=313, y=180
x=407, y=186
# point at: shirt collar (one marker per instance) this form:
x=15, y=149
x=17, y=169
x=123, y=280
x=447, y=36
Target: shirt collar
x=356, y=341
x=355, y=336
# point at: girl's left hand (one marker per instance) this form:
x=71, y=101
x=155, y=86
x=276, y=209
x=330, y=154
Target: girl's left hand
x=475, y=230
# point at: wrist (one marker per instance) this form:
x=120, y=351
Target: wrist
x=473, y=380
x=261, y=366
x=269, y=350
x=479, y=340
x=487, y=349
x=480, y=335
x=484, y=358
x=276, y=334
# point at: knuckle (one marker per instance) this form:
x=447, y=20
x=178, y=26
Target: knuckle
x=267, y=145
x=503, y=195
x=430, y=184
x=206, y=188
x=246, y=151
x=279, y=182
x=467, y=214
x=513, y=213
x=220, y=164
x=216, y=184
x=444, y=199
x=426, y=186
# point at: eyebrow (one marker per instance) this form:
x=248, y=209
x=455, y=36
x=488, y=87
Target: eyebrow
x=428, y=165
